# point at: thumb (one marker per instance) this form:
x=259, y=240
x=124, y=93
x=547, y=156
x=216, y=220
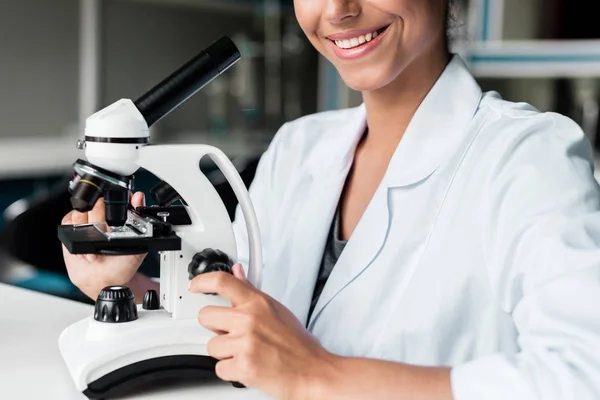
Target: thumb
x=138, y=200
x=238, y=272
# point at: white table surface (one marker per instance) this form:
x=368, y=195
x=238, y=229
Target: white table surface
x=31, y=366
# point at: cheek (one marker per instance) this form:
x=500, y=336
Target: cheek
x=308, y=13
x=307, y=18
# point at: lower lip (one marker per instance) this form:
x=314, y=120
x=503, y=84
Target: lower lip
x=359, y=51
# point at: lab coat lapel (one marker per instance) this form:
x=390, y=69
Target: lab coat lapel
x=321, y=188
x=433, y=135
x=364, y=244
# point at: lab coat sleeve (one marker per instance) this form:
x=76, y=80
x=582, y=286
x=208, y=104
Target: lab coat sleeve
x=263, y=196
x=541, y=237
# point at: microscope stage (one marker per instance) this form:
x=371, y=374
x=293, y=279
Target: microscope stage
x=89, y=239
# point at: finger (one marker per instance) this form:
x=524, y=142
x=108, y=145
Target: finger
x=79, y=217
x=138, y=200
x=227, y=371
x=224, y=284
x=96, y=214
x=238, y=272
x=216, y=319
x=68, y=219
x=222, y=347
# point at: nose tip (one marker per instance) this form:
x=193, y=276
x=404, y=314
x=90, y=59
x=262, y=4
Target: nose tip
x=339, y=11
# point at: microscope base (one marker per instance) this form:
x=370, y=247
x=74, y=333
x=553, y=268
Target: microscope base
x=108, y=359
x=172, y=369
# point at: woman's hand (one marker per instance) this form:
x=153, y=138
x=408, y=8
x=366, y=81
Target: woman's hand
x=91, y=273
x=260, y=343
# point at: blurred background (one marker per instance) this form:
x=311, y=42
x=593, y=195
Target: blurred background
x=62, y=60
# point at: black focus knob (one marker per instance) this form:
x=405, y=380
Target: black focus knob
x=115, y=304
x=151, y=300
x=209, y=260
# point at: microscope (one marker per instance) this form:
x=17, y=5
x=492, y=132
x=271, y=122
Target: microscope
x=123, y=345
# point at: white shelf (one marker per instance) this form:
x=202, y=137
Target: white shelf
x=35, y=157
x=31, y=157
x=536, y=58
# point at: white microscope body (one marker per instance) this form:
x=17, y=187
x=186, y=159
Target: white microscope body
x=168, y=340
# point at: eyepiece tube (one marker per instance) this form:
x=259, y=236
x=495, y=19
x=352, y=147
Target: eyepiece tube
x=187, y=80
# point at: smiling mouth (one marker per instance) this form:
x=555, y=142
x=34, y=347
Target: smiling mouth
x=359, y=40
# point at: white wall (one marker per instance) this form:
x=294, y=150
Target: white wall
x=38, y=66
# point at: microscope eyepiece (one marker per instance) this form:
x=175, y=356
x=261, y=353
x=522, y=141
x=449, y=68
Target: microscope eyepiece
x=224, y=53
x=187, y=80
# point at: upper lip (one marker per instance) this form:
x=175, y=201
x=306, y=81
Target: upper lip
x=355, y=33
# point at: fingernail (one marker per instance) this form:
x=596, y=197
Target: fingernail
x=144, y=199
x=91, y=257
x=189, y=285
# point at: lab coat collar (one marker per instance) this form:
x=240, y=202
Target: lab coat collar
x=431, y=137
x=437, y=127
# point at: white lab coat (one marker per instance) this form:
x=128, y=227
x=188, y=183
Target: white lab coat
x=480, y=249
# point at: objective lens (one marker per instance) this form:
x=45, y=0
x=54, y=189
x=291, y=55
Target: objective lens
x=116, y=202
x=85, y=194
x=164, y=194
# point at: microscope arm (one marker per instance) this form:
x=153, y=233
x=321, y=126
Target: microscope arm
x=178, y=165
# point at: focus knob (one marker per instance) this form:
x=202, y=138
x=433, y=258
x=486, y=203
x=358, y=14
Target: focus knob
x=151, y=301
x=115, y=304
x=209, y=260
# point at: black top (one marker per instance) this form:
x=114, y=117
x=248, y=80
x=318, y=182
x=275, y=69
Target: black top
x=333, y=249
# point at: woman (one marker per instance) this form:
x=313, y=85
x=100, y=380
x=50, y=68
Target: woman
x=472, y=263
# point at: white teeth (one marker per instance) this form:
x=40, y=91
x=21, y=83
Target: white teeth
x=357, y=41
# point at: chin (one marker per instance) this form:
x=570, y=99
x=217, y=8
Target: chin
x=366, y=79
